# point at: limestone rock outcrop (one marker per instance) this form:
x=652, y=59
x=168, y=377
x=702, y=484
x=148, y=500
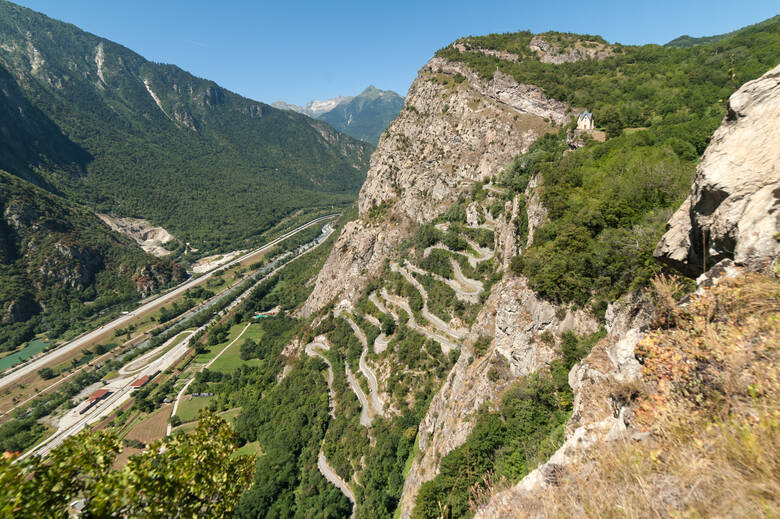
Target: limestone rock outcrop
x=455, y=129
x=515, y=318
x=600, y=410
x=549, y=52
x=733, y=210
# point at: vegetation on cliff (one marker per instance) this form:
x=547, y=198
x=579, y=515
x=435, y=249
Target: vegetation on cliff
x=642, y=86
x=506, y=444
x=609, y=201
x=709, y=405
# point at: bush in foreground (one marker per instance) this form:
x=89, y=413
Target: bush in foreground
x=180, y=476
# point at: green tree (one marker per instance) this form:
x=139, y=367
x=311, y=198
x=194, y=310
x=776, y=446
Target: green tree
x=388, y=324
x=46, y=373
x=183, y=475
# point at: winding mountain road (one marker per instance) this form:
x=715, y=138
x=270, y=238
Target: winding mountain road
x=382, y=308
x=366, y=414
x=382, y=340
x=446, y=344
x=471, y=286
x=313, y=350
x=373, y=385
x=434, y=319
x=328, y=473
x=465, y=289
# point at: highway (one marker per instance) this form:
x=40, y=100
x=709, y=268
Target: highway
x=83, y=340
x=121, y=390
x=151, y=363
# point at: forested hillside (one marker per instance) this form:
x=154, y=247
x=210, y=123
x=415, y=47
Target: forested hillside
x=60, y=265
x=468, y=334
x=492, y=307
x=135, y=138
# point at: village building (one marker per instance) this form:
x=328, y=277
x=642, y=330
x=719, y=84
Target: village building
x=585, y=121
x=94, y=398
x=140, y=382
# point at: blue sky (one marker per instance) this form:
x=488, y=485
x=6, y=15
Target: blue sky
x=299, y=51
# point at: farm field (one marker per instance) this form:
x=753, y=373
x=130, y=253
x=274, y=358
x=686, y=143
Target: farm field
x=249, y=449
x=231, y=359
x=187, y=427
x=203, y=358
x=189, y=407
x=153, y=428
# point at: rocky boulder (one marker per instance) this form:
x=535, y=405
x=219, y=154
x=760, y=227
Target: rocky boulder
x=733, y=211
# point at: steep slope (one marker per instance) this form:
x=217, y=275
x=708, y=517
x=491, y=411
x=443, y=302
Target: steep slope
x=450, y=134
x=693, y=384
x=477, y=169
x=725, y=216
x=31, y=142
x=60, y=265
x=366, y=115
x=481, y=313
x=150, y=140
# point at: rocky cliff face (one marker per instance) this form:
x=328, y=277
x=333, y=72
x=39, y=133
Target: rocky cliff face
x=550, y=52
x=454, y=130
x=734, y=206
x=516, y=319
x=602, y=411
x=733, y=210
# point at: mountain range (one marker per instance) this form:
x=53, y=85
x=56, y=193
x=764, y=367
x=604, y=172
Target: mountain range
x=87, y=126
x=106, y=127
x=518, y=317
x=313, y=108
x=364, y=116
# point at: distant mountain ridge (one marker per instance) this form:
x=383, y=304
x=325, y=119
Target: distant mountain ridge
x=88, y=126
x=130, y=137
x=686, y=41
x=364, y=116
x=313, y=108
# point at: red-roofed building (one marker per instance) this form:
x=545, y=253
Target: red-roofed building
x=94, y=398
x=140, y=382
x=99, y=395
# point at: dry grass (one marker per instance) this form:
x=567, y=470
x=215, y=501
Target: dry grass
x=153, y=428
x=712, y=409
x=666, y=291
